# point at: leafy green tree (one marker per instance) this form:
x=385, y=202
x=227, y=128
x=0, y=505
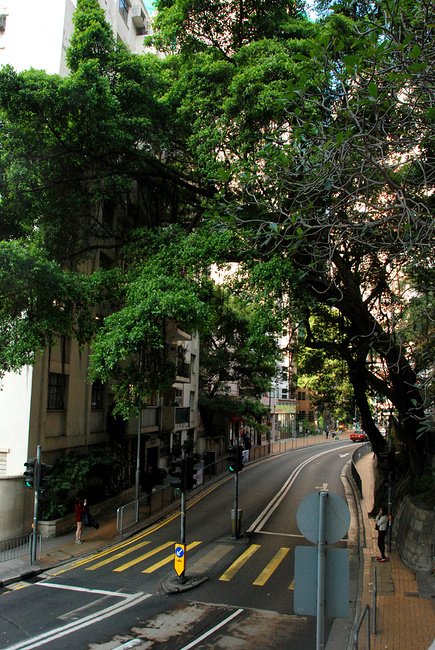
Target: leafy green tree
x=342, y=188
x=240, y=348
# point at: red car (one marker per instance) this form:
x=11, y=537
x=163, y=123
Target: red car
x=358, y=436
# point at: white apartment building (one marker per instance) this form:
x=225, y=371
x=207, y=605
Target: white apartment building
x=52, y=404
x=36, y=34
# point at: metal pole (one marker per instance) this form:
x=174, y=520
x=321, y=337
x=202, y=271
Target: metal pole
x=36, y=484
x=236, y=493
x=137, y=482
x=183, y=508
x=321, y=560
x=390, y=499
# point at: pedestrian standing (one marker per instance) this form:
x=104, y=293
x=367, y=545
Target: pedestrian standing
x=80, y=508
x=381, y=527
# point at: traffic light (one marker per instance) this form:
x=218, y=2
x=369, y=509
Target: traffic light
x=387, y=463
x=177, y=474
x=232, y=459
x=239, y=458
x=30, y=473
x=45, y=474
x=190, y=471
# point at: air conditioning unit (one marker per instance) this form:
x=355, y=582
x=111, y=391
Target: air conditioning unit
x=139, y=17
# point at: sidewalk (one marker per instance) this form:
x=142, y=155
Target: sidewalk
x=405, y=601
x=59, y=550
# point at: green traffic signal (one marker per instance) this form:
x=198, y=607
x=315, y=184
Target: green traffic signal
x=29, y=474
x=232, y=459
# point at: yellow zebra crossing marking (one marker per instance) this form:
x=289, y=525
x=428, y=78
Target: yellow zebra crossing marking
x=270, y=568
x=108, y=560
x=168, y=559
x=232, y=570
x=209, y=559
x=141, y=558
x=200, y=566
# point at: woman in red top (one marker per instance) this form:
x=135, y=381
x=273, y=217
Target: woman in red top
x=80, y=509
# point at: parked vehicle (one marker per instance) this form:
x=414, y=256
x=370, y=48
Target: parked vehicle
x=358, y=436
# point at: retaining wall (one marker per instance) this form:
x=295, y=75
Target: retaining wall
x=413, y=533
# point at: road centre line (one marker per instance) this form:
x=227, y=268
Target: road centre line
x=52, y=635
x=275, y=502
x=214, y=629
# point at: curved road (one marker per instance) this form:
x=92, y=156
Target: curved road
x=244, y=589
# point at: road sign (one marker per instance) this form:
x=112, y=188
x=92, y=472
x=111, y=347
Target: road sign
x=336, y=582
x=337, y=518
x=180, y=558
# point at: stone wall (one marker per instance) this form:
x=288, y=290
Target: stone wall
x=413, y=533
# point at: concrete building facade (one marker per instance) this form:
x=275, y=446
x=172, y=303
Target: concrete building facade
x=53, y=404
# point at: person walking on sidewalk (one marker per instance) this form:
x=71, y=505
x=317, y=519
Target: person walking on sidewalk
x=381, y=527
x=80, y=508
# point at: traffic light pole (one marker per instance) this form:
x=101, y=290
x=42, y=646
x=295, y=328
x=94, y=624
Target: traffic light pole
x=236, y=495
x=37, y=479
x=183, y=510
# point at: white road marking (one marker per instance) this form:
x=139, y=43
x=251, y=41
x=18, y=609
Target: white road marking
x=274, y=503
x=52, y=635
x=88, y=591
x=214, y=629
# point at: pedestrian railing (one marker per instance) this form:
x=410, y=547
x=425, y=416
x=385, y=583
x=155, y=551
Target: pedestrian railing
x=132, y=513
x=375, y=599
x=20, y=546
x=365, y=614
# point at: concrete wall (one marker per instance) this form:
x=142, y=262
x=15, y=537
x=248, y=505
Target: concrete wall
x=15, y=399
x=413, y=533
x=16, y=512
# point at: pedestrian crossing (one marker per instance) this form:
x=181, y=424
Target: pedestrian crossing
x=207, y=562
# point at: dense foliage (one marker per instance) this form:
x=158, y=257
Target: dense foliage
x=301, y=150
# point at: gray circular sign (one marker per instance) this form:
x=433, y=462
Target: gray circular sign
x=337, y=517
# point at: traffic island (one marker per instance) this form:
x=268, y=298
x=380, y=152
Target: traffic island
x=173, y=585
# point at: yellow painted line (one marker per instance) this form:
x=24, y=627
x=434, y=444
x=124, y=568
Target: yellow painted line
x=136, y=560
x=292, y=585
x=168, y=559
x=232, y=570
x=271, y=567
x=210, y=558
x=108, y=560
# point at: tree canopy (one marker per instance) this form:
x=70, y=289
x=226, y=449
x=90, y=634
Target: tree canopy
x=301, y=150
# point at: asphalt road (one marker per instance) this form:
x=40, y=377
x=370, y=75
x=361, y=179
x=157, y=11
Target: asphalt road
x=116, y=599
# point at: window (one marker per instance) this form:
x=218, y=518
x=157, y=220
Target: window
x=2, y=23
x=3, y=459
x=124, y=6
x=311, y=416
x=302, y=395
x=301, y=416
x=56, y=391
x=97, y=395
